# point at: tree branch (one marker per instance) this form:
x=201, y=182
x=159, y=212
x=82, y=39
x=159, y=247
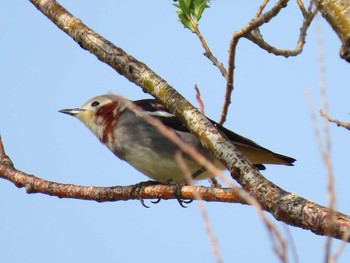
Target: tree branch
x=336, y=12
x=34, y=184
x=339, y=123
x=251, y=32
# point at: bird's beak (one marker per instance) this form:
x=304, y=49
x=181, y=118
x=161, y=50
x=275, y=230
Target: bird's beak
x=72, y=112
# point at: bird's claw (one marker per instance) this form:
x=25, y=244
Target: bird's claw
x=157, y=201
x=139, y=188
x=178, y=195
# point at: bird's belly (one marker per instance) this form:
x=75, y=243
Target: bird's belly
x=155, y=156
x=162, y=168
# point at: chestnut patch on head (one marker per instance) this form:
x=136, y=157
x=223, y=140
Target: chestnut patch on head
x=109, y=114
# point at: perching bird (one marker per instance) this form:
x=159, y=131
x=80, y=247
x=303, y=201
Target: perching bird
x=134, y=140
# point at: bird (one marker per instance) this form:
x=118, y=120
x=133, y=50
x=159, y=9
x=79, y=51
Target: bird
x=131, y=138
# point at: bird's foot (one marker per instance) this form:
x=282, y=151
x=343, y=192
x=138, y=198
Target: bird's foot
x=139, y=188
x=178, y=195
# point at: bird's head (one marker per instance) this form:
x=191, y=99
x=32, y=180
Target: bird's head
x=100, y=112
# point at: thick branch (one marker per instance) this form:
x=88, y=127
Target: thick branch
x=297, y=211
x=284, y=206
x=337, y=14
x=288, y=207
x=115, y=193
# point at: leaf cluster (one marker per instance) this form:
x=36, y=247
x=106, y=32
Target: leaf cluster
x=190, y=12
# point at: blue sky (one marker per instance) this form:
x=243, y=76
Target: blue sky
x=43, y=70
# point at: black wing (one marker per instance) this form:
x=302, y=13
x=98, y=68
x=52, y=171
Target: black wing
x=156, y=109
x=162, y=113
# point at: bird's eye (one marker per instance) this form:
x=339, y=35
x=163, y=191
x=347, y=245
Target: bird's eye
x=95, y=104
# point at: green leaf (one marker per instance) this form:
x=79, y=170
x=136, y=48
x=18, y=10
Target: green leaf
x=190, y=11
x=199, y=7
x=185, y=5
x=184, y=20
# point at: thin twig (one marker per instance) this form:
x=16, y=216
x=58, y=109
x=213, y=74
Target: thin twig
x=4, y=159
x=338, y=252
x=252, y=25
x=208, y=227
x=261, y=8
x=2, y=150
x=256, y=38
x=302, y=8
x=207, y=50
x=325, y=157
x=291, y=243
x=213, y=181
x=345, y=125
x=251, y=32
x=326, y=149
x=278, y=242
x=199, y=99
